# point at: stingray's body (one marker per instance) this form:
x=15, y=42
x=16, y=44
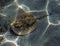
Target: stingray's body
x=23, y=24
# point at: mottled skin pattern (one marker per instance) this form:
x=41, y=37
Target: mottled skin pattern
x=23, y=24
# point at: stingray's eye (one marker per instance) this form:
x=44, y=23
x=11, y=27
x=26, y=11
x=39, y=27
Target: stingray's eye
x=26, y=24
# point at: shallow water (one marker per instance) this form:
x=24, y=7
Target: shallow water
x=47, y=32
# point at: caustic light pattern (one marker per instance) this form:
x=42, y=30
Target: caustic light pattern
x=29, y=22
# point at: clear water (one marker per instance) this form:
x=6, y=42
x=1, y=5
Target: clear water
x=47, y=32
